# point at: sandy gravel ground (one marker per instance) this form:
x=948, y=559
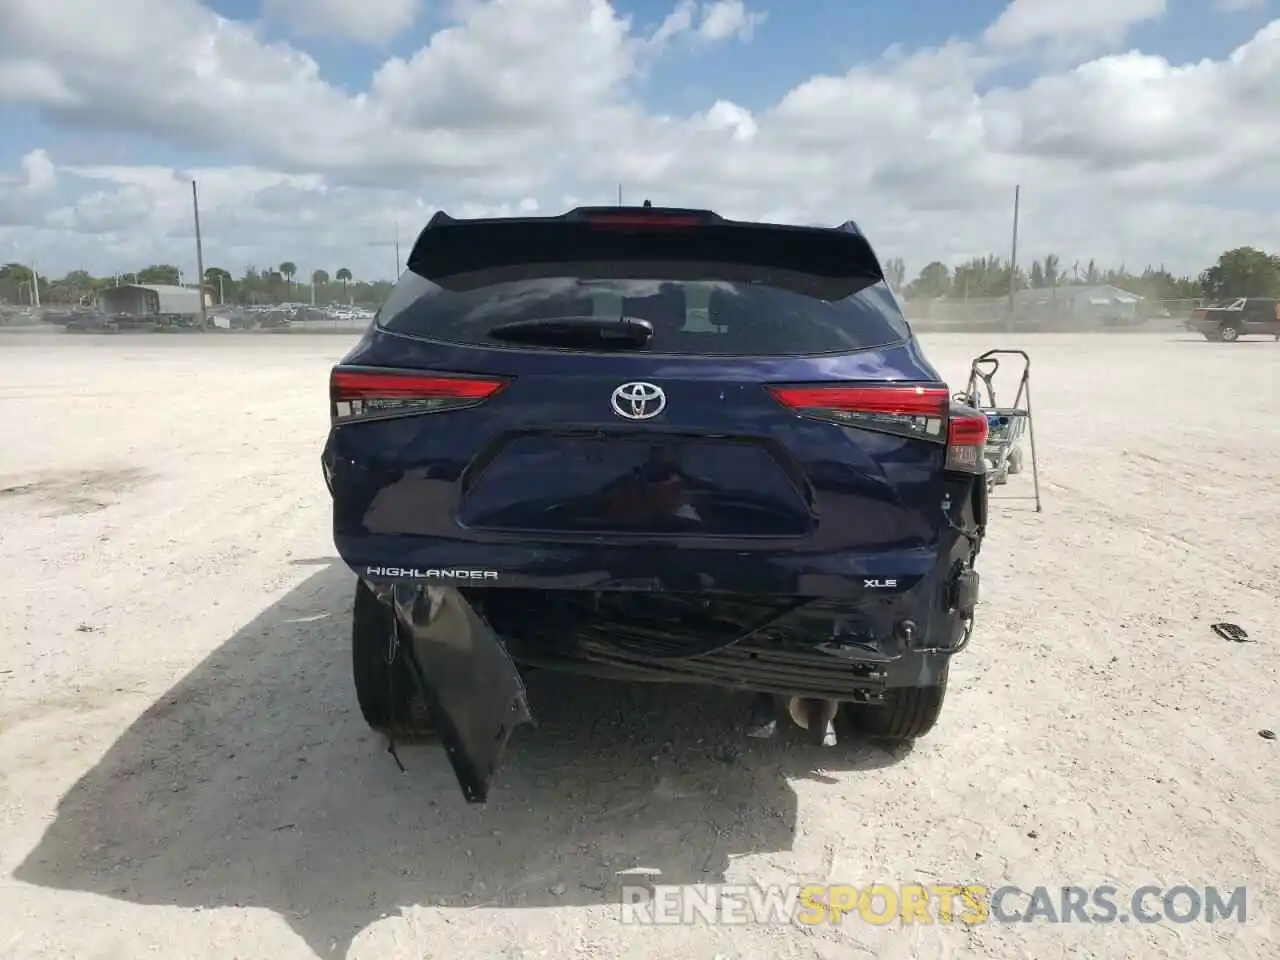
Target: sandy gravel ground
x=183, y=772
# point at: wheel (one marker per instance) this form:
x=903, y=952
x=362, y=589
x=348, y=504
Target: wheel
x=907, y=713
x=383, y=703
x=1228, y=332
x=1015, y=461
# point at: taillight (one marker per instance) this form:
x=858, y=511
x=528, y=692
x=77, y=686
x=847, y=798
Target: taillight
x=918, y=412
x=967, y=442
x=909, y=411
x=357, y=394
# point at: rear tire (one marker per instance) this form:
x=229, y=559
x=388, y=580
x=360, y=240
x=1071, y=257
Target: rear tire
x=371, y=626
x=907, y=713
x=1228, y=332
x=1015, y=461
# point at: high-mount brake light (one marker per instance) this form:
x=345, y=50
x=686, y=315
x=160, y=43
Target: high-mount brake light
x=642, y=221
x=361, y=394
x=904, y=410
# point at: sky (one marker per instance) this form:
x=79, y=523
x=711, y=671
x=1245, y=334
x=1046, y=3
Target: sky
x=323, y=131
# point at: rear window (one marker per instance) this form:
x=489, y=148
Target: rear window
x=703, y=309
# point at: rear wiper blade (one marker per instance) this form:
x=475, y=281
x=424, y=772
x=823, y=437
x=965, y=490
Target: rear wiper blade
x=577, y=331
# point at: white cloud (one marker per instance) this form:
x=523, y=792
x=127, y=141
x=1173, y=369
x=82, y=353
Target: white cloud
x=1070, y=25
x=38, y=170
x=724, y=115
x=708, y=23
x=24, y=194
x=1236, y=6
x=365, y=21
x=728, y=18
x=677, y=22
x=519, y=104
x=519, y=67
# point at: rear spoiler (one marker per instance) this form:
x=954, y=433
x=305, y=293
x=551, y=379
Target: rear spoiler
x=449, y=246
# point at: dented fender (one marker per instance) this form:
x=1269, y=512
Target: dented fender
x=472, y=688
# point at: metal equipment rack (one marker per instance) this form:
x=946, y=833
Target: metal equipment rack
x=1006, y=425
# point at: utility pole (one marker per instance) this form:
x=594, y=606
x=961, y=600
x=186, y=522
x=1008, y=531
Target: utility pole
x=389, y=243
x=619, y=194
x=1013, y=258
x=195, y=207
x=35, y=285
x=396, y=275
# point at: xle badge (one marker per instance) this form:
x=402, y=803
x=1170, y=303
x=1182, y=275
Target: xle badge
x=879, y=584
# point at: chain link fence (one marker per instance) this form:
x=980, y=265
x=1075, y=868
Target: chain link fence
x=57, y=317
x=13, y=315
x=1060, y=309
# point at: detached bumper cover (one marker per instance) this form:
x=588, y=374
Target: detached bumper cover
x=472, y=689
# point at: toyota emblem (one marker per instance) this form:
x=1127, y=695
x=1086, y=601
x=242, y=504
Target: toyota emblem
x=638, y=401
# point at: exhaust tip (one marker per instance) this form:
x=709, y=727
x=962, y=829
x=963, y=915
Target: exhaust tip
x=817, y=717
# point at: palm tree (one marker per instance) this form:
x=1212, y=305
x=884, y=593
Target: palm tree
x=345, y=276
x=289, y=270
x=219, y=280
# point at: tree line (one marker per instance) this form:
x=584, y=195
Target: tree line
x=254, y=285
x=1241, y=272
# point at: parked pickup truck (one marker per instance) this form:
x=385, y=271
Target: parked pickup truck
x=1247, y=316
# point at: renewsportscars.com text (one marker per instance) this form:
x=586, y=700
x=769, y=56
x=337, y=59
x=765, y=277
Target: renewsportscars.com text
x=882, y=904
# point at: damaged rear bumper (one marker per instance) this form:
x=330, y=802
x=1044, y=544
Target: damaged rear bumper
x=462, y=646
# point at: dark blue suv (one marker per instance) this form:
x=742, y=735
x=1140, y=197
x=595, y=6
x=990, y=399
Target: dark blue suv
x=650, y=444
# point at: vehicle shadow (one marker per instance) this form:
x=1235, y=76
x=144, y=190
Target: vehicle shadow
x=253, y=782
